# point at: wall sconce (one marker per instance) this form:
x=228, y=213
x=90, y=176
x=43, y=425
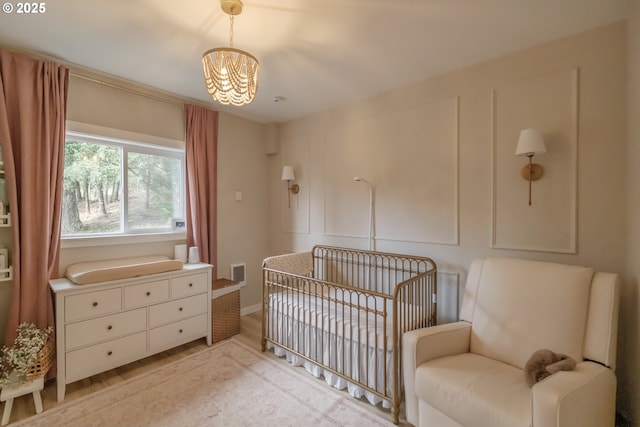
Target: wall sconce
x=530, y=143
x=288, y=175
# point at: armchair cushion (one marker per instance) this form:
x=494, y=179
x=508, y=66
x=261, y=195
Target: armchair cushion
x=475, y=390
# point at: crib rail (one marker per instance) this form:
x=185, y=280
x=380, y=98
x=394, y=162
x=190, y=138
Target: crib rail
x=347, y=315
x=375, y=271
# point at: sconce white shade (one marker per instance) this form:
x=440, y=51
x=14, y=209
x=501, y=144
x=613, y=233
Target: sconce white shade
x=530, y=143
x=287, y=173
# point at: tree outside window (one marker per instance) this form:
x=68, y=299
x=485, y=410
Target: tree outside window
x=120, y=187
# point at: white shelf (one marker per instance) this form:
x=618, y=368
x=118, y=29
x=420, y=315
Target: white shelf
x=6, y=274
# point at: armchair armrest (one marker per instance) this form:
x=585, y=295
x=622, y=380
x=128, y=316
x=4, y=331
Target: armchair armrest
x=421, y=345
x=585, y=396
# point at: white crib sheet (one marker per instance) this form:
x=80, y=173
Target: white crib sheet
x=322, y=331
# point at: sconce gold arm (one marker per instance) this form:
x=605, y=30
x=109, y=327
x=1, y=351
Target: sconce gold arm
x=531, y=172
x=295, y=188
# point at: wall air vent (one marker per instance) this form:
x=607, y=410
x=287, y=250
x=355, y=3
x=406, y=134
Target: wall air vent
x=238, y=272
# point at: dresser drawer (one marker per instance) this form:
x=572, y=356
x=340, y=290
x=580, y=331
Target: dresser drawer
x=104, y=328
x=177, y=310
x=189, y=285
x=92, y=304
x=177, y=333
x=101, y=357
x=146, y=293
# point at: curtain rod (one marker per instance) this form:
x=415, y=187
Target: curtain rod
x=166, y=99
x=128, y=89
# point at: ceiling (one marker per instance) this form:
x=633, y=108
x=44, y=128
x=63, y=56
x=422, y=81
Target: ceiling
x=316, y=54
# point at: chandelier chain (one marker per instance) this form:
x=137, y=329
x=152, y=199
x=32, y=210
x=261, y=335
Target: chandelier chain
x=231, y=31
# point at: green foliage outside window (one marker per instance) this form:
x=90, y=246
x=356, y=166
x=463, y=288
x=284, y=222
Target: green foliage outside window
x=101, y=195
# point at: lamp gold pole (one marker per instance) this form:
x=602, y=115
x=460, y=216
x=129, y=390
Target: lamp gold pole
x=531, y=172
x=295, y=188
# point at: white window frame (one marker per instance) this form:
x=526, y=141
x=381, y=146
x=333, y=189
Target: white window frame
x=127, y=142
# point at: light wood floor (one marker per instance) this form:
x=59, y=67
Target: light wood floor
x=250, y=334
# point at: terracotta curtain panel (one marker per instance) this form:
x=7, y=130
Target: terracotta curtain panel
x=33, y=96
x=201, y=164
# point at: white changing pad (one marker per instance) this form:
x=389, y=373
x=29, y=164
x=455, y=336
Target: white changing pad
x=84, y=273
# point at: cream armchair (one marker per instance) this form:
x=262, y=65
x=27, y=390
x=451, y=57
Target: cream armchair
x=470, y=373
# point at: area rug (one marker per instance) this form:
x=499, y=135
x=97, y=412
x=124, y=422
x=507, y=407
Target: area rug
x=228, y=384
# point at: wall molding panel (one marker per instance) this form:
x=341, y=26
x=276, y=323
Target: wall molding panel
x=295, y=219
x=548, y=103
x=411, y=158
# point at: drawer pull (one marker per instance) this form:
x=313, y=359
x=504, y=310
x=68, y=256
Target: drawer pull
x=180, y=309
x=191, y=285
x=110, y=327
x=95, y=303
x=109, y=353
x=180, y=330
x=148, y=293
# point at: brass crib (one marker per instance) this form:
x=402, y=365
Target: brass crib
x=345, y=310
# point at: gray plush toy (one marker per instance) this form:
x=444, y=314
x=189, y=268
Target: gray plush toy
x=543, y=363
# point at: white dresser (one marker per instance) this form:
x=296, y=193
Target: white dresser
x=104, y=325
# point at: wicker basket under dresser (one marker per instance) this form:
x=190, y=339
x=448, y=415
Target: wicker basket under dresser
x=225, y=308
x=101, y=326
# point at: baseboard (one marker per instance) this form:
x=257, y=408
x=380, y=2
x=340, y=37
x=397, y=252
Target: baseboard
x=250, y=309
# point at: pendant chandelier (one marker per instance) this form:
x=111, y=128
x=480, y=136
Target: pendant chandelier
x=231, y=75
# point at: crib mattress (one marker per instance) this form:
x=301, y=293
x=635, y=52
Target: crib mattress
x=337, y=317
x=326, y=330
x=122, y=268
x=336, y=313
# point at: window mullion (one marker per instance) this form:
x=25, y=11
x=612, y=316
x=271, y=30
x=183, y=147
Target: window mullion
x=124, y=206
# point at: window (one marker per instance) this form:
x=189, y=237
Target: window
x=113, y=186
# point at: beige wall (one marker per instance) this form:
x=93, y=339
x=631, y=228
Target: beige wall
x=242, y=224
x=414, y=129
x=101, y=101
x=629, y=369
x=441, y=156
